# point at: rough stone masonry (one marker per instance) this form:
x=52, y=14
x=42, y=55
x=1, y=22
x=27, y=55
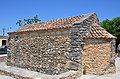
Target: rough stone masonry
x=58, y=46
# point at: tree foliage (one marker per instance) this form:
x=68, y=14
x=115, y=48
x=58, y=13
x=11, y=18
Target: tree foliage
x=113, y=27
x=28, y=21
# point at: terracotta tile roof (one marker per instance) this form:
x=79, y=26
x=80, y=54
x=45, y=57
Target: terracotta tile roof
x=51, y=24
x=96, y=31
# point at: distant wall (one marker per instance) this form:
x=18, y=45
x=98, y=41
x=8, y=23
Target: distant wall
x=99, y=56
x=3, y=58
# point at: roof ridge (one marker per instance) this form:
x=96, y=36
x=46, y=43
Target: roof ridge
x=82, y=15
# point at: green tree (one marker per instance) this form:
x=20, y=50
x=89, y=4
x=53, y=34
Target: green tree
x=28, y=21
x=113, y=27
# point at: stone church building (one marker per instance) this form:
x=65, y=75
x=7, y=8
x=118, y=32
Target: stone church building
x=54, y=47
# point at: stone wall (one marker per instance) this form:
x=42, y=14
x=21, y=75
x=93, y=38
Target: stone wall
x=78, y=31
x=3, y=58
x=43, y=52
x=98, y=56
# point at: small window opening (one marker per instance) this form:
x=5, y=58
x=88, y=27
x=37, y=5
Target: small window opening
x=4, y=42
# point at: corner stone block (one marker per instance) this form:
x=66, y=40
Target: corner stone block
x=73, y=65
x=74, y=29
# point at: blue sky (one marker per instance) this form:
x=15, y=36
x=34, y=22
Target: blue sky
x=13, y=10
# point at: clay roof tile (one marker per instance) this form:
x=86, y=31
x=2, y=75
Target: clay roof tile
x=95, y=31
